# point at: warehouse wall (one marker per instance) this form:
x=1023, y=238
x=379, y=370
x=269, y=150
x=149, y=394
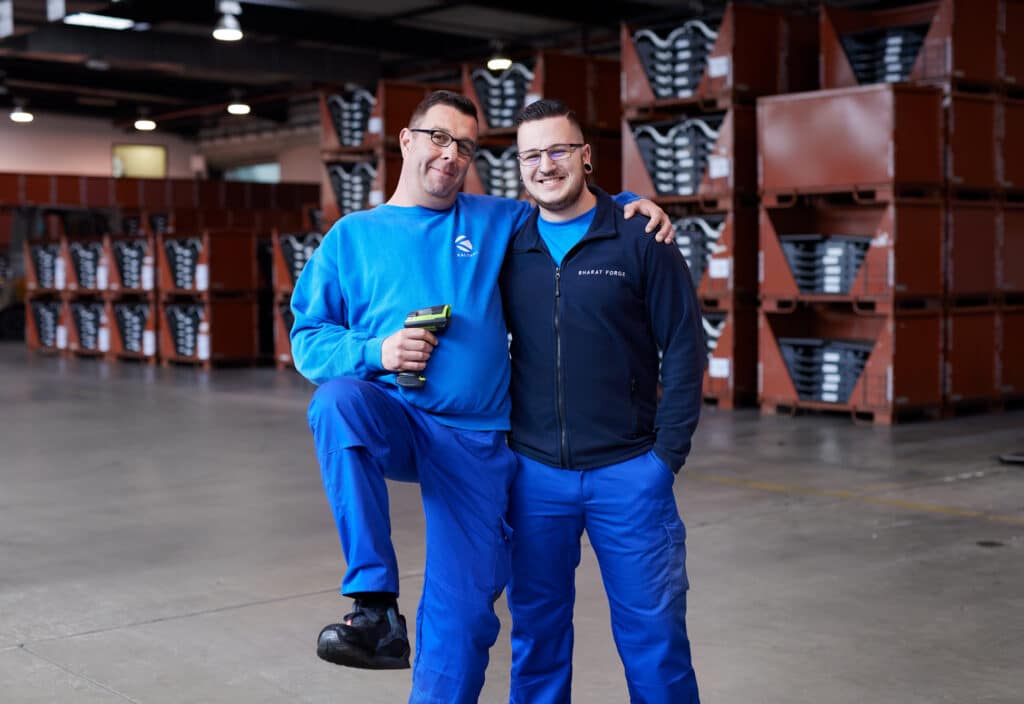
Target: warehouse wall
x=301, y=163
x=74, y=145
x=296, y=150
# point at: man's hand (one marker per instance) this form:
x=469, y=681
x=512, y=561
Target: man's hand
x=407, y=350
x=660, y=221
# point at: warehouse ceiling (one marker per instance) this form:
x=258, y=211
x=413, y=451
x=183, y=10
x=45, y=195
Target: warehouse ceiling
x=169, y=66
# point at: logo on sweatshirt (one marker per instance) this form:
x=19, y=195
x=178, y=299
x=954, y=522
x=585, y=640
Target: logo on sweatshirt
x=464, y=247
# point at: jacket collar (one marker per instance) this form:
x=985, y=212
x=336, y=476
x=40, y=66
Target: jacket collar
x=601, y=227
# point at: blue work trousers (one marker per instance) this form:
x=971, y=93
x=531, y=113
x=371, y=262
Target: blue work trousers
x=363, y=434
x=630, y=515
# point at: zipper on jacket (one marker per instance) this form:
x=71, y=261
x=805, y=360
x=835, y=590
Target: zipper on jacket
x=563, y=437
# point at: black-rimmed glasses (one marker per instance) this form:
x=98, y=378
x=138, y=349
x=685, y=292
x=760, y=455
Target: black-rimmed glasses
x=556, y=152
x=465, y=147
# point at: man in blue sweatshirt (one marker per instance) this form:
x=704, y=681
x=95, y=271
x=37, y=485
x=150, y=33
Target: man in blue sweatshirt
x=428, y=245
x=589, y=301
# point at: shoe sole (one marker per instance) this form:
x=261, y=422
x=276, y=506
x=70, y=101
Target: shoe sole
x=351, y=657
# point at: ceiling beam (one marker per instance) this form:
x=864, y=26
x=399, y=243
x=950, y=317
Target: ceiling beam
x=200, y=54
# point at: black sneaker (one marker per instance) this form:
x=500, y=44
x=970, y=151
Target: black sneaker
x=369, y=637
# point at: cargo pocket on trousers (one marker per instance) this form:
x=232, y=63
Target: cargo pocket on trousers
x=677, y=555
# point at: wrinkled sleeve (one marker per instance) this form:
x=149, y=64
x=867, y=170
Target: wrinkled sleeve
x=676, y=322
x=323, y=344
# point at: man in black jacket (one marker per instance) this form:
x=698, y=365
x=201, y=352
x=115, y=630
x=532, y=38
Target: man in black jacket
x=590, y=301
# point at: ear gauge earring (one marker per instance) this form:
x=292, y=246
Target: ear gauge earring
x=588, y=168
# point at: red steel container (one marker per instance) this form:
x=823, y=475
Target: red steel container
x=903, y=372
x=903, y=260
x=971, y=236
x=971, y=355
x=879, y=137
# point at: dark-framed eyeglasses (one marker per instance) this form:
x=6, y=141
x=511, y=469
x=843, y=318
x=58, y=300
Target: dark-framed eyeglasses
x=556, y=152
x=465, y=147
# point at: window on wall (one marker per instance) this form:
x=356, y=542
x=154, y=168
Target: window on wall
x=139, y=161
x=260, y=173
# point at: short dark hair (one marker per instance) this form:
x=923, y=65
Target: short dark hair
x=545, y=108
x=444, y=97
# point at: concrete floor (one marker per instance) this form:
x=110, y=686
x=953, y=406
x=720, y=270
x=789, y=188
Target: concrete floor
x=164, y=538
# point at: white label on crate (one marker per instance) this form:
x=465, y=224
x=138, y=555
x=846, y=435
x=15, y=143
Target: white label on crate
x=148, y=343
x=375, y=125
x=830, y=368
x=719, y=368
x=832, y=378
x=203, y=346
x=103, y=343
x=101, y=277
x=202, y=277
x=531, y=98
x=59, y=276
x=718, y=166
x=62, y=337
x=376, y=197
x=835, y=251
x=830, y=398
x=827, y=386
x=718, y=66
x=718, y=269
x=147, y=273
x=830, y=356
x=833, y=271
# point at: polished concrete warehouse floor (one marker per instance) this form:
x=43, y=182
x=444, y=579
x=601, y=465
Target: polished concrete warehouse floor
x=164, y=538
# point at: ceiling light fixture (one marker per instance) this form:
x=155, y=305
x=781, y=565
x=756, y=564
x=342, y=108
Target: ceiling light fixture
x=20, y=114
x=238, y=106
x=88, y=19
x=228, y=28
x=143, y=123
x=499, y=61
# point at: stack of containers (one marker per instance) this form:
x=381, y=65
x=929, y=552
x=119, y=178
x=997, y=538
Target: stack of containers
x=587, y=84
x=207, y=283
x=689, y=140
x=291, y=252
x=131, y=286
x=1010, y=237
x=359, y=144
x=47, y=313
x=880, y=217
x=75, y=267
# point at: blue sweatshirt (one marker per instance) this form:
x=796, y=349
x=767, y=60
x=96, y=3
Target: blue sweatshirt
x=375, y=266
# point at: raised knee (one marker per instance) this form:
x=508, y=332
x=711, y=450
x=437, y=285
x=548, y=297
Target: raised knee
x=339, y=395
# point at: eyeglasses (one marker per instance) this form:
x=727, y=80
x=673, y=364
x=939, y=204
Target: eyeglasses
x=465, y=147
x=556, y=152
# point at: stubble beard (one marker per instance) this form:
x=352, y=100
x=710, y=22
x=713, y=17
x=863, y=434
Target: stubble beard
x=566, y=201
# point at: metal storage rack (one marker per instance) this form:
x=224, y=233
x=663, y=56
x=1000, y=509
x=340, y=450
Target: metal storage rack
x=689, y=137
x=290, y=253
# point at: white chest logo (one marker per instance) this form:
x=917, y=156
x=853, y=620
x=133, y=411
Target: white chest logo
x=464, y=247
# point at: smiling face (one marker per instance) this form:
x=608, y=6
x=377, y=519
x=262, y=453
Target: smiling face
x=433, y=175
x=559, y=187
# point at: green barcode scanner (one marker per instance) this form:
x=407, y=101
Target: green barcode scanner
x=435, y=319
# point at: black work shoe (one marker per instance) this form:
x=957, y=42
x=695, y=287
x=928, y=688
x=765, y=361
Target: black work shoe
x=371, y=638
